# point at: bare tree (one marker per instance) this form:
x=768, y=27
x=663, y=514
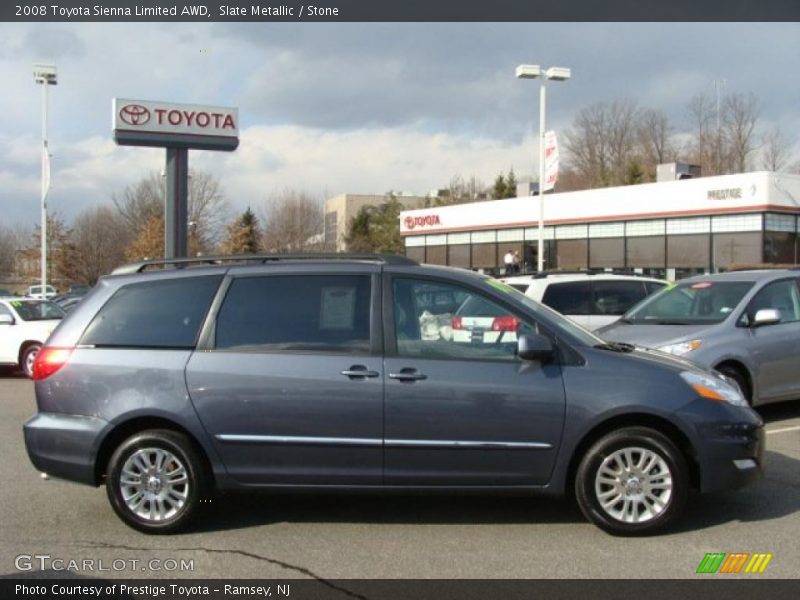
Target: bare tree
x=208, y=209
x=706, y=147
x=293, y=222
x=739, y=118
x=729, y=147
x=603, y=142
x=655, y=138
x=141, y=203
x=10, y=243
x=775, y=154
x=99, y=237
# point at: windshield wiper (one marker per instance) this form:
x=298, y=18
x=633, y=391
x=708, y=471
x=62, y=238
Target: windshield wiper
x=623, y=347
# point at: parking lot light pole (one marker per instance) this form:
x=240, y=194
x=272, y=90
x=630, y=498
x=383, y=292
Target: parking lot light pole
x=555, y=74
x=45, y=75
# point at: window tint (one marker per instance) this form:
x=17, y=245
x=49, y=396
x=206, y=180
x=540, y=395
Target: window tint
x=478, y=328
x=780, y=295
x=569, y=298
x=325, y=313
x=38, y=310
x=616, y=297
x=155, y=314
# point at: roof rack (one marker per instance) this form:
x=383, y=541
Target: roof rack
x=544, y=274
x=180, y=263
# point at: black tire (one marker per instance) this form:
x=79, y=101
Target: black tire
x=27, y=357
x=660, y=507
x=158, y=494
x=739, y=378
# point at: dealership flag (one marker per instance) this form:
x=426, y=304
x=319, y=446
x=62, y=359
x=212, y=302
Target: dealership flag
x=550, y=160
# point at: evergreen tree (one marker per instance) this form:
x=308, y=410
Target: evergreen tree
x=499, y=189
x=242, y=235
x=376, y=228
x=511, y=184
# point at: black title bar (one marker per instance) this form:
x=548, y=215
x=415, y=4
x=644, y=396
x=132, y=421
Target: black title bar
x=400, y=10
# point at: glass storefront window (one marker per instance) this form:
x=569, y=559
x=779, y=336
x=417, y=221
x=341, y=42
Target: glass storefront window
x=731, y=249
x=647, y=252
x=780, y=247
x=689, y=251
x=572, y=254
x=607, y=253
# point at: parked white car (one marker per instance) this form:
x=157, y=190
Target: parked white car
x=35, y=291
x=25, y=324
x=592, y=300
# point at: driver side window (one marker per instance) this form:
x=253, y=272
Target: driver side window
x=782, y=296
x=442, y=320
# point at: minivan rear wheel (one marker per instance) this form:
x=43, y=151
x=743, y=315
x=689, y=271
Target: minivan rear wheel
x=155, y=481
x=633, y=481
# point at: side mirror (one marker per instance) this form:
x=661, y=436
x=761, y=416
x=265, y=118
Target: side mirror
x=6, y=320
x=766, y=316
x=535, y=347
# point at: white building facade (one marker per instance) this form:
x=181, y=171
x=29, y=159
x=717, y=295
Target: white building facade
x=672, y=229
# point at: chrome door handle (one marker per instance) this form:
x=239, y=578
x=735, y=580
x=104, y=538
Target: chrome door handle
x=359, y=371
x=408, y=375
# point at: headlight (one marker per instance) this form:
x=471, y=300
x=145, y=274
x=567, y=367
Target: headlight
x=714, y=388
x=681, y=348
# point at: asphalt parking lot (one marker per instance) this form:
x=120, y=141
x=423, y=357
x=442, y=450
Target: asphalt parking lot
x=389, y=537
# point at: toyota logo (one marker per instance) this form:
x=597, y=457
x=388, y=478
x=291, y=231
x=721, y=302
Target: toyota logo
x=410, y=222
x=134, y=114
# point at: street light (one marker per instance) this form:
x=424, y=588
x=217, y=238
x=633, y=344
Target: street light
x=555, y=74
x=45, y=75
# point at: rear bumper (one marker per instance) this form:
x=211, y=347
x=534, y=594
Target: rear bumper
x=64, y=446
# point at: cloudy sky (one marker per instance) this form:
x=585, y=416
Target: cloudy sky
x=361, y=108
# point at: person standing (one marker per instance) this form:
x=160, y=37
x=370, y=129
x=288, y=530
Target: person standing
x=508, y=262
x=515, y=261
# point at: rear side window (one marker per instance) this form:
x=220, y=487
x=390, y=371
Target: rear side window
x=653, y=286
x=323, y=313
x=569, y=298
x=616, y=297
x=154, y=314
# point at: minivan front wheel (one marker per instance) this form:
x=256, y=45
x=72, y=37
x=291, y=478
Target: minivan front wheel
x=632, y=481
x=155, y=481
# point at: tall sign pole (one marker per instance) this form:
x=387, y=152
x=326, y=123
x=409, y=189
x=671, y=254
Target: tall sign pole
x=45, y=75
x=177, y=128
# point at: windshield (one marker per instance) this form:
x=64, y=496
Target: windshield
x=37, y=310
x=572, y=328
x=690, y=303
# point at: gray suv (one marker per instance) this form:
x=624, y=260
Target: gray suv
x=354, y=373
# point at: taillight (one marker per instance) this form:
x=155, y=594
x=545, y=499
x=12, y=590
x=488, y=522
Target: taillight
x=506, y=323
x=455, y=323
x=49, y=360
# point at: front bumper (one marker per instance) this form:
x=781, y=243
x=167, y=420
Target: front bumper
x=64, y=446
x=730, y=451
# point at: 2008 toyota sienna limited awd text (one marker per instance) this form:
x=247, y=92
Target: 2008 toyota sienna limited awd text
x=370, y=372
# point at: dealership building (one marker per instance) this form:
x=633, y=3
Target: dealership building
x=669, y=229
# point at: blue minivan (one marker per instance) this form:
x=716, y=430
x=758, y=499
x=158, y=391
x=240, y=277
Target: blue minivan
x=175, y=379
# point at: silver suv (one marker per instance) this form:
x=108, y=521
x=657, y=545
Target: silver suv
x=369, y=373
x=744, y=324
